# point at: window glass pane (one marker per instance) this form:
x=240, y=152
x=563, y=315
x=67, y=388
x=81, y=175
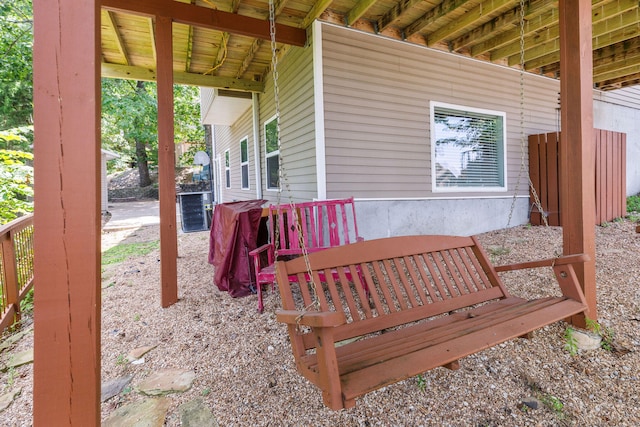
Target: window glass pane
x=245, y=176
x=226, y=158
x=272, y=172
x=271, y=135
x=228, y=178
x=244, y=152
x=468, y=149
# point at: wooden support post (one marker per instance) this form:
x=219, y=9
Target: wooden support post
x=166, y=163
x=66, y=88
x=578, y=149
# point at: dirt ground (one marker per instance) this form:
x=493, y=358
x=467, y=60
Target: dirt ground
x=245, y=373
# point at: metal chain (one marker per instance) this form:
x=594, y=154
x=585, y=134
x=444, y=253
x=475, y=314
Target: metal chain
x=282, y=174
x=522, y=133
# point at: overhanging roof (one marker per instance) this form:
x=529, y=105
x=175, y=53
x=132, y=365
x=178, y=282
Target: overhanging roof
x=224, y=43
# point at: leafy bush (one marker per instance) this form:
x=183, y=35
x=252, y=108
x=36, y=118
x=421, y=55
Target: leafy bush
x=633, y=203
x=16, y=179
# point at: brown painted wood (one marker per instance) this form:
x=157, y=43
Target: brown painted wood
x=207, y=17
x=578, y=149
x=405, y=333
x=166, y=165
x=534, y=175
x=67, y=215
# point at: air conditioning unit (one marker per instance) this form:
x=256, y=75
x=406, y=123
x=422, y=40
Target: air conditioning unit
x=193, y=211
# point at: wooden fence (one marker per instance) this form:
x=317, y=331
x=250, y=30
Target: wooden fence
x=610, y=176
x=16, y=268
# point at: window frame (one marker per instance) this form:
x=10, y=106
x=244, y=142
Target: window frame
x=269, y=155
x=501, y=145
x=244, y=165
x=227, y=168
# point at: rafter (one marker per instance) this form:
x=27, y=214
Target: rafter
x=395, y=13
x=318, y=8
x=152, y=35
x=140, y=73
x=187, y=65
x=253, y=49
x=209, y=18
x=358, y=10
x=438, y=12
x=476, y=14
x=113, y=28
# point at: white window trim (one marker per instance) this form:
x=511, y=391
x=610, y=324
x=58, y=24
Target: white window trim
x=245, y=163
x=267, y=155
x=227, y=168
x=434, y=188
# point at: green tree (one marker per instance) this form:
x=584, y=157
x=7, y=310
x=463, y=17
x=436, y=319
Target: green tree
x=16, y=75
x=16, y=179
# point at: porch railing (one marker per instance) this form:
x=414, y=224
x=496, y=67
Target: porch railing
x=16, y=268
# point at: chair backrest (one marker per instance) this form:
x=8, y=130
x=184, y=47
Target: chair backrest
x=323, y=224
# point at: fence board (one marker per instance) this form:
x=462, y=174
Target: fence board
x=610, y=176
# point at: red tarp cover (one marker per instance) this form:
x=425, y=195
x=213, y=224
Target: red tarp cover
x=234, y=233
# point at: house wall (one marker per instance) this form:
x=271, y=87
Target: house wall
x=619, y=111
x=377, y=103
x=377, y=93
x=297, y=128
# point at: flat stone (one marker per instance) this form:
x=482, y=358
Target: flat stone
x=148, y=413
x=112, y=388
x=137, y=353
x=586, y=340
x=167, y=381
x=19, y=359
x=196, y=414
x=7, y=398
x=531, y=402
x=11, y=340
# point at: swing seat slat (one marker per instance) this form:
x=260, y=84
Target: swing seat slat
x=417, y=303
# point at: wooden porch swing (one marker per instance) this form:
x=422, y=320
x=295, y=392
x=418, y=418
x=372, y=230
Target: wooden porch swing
x=369, y=314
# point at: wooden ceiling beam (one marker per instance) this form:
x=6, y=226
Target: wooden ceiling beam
x=152, y=35
x=358, y=10
x=111, y=23
x=253, y=49
x=187, y=65
x=395, y=13
x=438, y=12
x=628, y=80
x=214, y=19
x=629, y=65
x=469, y=19
x=318, y=9
x=140, y=73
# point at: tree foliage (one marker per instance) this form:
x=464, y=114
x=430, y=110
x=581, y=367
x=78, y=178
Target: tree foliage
x=16, y=75
x=16, y=179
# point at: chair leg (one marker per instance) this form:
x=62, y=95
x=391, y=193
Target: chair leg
x=260, y=303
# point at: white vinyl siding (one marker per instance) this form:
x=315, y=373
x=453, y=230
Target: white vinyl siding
x=467, y=148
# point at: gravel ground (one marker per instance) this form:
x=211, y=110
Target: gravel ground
x=246, y=374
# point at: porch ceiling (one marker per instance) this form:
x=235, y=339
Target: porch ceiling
x=488, y=30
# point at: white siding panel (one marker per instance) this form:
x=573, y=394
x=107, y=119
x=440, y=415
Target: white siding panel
x=377, y=96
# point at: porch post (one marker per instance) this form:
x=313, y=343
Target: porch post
x=577, y=153
x=166, y=163
x=67, y=213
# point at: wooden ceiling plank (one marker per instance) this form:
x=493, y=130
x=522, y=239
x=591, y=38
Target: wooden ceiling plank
x=187, y=65
x=606, y=33
x=318, y=8
x=608, y=16
x=152, y=33
x=503, y=25
x=139, y=73
x=215, y=19
x=253, y=49
x=358, y=10
x=438, y=12
x=469, y=19
x=221, y=55
x=395, y=13
x=120, y=45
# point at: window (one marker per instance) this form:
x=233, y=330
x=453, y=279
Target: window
x=272, y=154
x=468, y=148
x=244, y=162
x=227, y=170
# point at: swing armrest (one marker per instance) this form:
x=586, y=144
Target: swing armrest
x=550, y=262
x=313, y=319
x=255, y=254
